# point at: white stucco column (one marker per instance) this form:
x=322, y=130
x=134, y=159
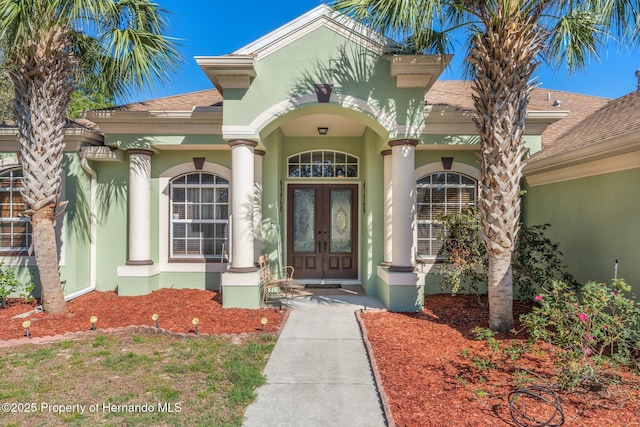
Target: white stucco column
x=388, y=208
x=242, y=202
x=404, y=194
x=139, y=207
x=257, y=207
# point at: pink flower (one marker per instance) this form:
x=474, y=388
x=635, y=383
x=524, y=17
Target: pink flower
x=615, y=292
x=575, y=304
x=538, y=298
x=587, y=351
x=588, y=337
x=606, y=327
x=583, y=317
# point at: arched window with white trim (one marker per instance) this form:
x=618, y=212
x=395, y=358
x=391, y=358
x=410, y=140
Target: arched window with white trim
x=438, y=194
x=15, y=230
x=322, y=164
x=199, y=215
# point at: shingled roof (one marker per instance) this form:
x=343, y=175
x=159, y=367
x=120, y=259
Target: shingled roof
x=182, y=102
x=614, y=119
x=457, y=93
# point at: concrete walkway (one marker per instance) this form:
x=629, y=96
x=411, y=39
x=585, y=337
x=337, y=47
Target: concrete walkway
x=319, y=372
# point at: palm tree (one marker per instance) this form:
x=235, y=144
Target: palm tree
x=49, y=48
x=506, y=39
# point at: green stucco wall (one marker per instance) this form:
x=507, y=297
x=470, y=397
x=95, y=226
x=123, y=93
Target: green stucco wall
x=323, y=56
x=468, y=157
x=76, y=269
x=113, y=178
x=113, y=229
x=595, y=221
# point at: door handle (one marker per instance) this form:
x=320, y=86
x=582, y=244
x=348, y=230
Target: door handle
x=325, y=246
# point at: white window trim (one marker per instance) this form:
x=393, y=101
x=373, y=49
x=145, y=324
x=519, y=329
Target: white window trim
x=429, y=169
x=164, y=213
x=201, y=221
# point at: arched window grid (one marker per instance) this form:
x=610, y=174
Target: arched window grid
x=439, y=194
x=323, y=164
x=199, y=204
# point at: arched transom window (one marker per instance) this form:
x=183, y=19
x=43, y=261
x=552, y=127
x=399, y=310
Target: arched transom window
x=199, y=215
x=323, y=164
x=439, y=194
x=15, y=230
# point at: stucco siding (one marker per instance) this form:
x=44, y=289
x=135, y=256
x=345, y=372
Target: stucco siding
x=322, y=56
x=595, y=221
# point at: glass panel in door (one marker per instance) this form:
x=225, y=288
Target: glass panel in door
x=304, y=211
x=341, y=221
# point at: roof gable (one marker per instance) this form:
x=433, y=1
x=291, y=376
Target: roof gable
x=320, y=16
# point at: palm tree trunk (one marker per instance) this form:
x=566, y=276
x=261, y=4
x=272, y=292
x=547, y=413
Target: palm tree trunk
x=46, y=253
x=43, y=83
x=500, y=291
x=504, y=62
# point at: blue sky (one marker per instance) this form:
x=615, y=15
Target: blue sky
x=213, y=27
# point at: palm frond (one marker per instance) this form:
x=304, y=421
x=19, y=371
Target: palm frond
x=428, y=41
x=396, y=18
x=575, y=38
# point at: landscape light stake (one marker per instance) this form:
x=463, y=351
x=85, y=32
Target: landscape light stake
x=93, y=320
x=26, y=325
x=615, y=270
x=155, y=317
x=264, y=321
x=195, y=321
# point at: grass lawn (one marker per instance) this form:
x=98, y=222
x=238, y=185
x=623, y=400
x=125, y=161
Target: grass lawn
x=130, y=379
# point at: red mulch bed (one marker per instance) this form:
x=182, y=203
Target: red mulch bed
x=429, y=362
x=176, y=309
x=426, y=361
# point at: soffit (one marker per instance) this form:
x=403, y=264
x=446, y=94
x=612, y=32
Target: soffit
x=307, y=126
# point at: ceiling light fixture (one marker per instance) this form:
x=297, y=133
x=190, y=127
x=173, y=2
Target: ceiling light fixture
x=323, y=131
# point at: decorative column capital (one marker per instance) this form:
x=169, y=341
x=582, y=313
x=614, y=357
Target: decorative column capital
x=386, y=153
x=247, y=142
x=259, y=152
x=398, y=142
x=141, y=151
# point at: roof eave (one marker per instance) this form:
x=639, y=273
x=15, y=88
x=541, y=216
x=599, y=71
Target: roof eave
x=197, y=121
x=611, y=147
x=417, y=70
x=228, y=71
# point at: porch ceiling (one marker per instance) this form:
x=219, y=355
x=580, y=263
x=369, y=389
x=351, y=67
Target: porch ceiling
x=307, y=126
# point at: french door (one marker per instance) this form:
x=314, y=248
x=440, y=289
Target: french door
x=322, y=222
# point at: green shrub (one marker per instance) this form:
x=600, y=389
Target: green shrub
x=464, y=257
x=10, y=285
x=536, y=260
x=598, y=321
